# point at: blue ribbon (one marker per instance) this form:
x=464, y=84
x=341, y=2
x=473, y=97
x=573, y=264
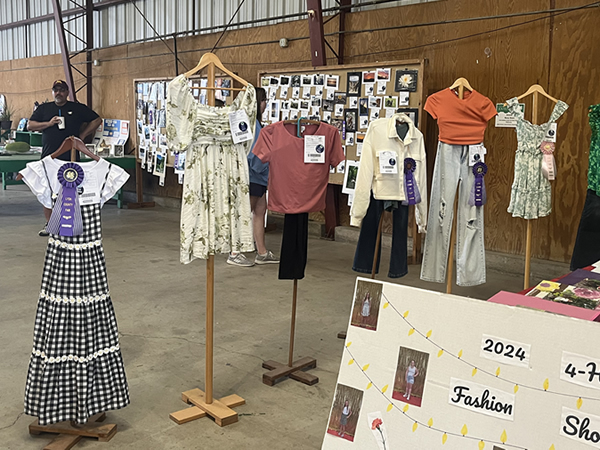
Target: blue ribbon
x=478, y=196
x=413, y=196
x=66, y=213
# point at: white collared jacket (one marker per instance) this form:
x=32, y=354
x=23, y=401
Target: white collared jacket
x=382, y=136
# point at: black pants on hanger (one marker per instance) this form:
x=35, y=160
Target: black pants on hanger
x=294, y=247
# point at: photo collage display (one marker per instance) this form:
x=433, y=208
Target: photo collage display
x=348, y=100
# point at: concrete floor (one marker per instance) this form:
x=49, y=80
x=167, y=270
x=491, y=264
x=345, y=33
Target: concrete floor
x=160, y=309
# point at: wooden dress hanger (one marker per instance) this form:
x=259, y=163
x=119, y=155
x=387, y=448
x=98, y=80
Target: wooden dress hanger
x=73, y=143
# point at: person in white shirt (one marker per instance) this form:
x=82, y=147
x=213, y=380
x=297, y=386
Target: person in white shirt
x=411, y=373
x=346, y=413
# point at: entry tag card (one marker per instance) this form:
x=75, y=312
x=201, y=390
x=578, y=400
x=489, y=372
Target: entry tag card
x=240, y=126
x=476, y=153
x=551, y=133
x=89, y=191
x=388, y=162
x=314, y=149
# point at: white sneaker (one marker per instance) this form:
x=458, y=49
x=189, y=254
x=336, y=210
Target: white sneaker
x=269, y=258
x=239, y=260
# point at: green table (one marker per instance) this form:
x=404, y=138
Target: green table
x=15, y=163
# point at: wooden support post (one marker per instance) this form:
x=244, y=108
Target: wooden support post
x=315, y=30
x=526, y=280
x=204, y=403
x=293, y=369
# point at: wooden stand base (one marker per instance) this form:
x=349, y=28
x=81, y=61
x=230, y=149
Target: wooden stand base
x=69, y=436
x=139, y=205
x=278, y=371
x=219, y=410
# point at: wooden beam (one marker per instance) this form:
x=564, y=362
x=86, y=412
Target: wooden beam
x=315, y=29
x=342, y=28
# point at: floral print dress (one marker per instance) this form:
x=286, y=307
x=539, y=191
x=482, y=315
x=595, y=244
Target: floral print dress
x=531, y=193
x=594, y=167
x=215, y=207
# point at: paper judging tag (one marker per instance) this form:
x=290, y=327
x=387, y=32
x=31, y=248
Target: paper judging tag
x=476, y=154
x=551, y=133
x=388, y=162
x=314, y=149
x=240, y=126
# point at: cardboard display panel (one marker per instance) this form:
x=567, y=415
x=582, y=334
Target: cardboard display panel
x=423, y=369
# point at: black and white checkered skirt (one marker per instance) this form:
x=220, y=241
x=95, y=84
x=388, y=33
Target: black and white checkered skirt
x=76, y=369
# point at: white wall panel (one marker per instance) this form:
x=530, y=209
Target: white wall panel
x=123, y=23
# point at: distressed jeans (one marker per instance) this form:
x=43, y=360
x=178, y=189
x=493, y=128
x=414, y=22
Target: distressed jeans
x=452, y=166
x=365, y=249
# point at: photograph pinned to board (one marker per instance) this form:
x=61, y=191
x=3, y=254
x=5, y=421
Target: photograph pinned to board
x=285, y=80
x=285, y=105
x=339, y=124
x=274, y=82
x=142, y=156
x=306, y=80
x=390, y=101
x=179, y=163
x=384, y=74
x=363, y=106
x=304, y=106
x=150, y=159
x=406, y=80
x=412, y=113
x=265, y=81
x=328, y=105
x=340, y=98
x=351, y=119
x=318, y=79
x=345, y=412
x=411, y=373
x=368, y=77
x=160, y=167
x=360, y=138
x=374, y=102
x=315, y=101
x=295, y=81
x=353, y=84
x=349, y=185
x=333, y=82
x=367, y=298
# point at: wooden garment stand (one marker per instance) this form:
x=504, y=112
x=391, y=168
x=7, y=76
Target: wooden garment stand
x=460, y=84
x=68, y=433
x=293, y=369
x=536, y=90
x=203, y=402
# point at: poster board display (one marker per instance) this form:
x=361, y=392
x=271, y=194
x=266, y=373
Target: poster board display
x=423, y=369
x=347, y=96
x=110, y=137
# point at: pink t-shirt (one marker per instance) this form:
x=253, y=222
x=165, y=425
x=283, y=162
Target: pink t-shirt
x=295, y=186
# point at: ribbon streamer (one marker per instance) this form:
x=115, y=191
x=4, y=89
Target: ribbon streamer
x=66, y=213
x=478, y=196
x=413, y=196
x=548, y=163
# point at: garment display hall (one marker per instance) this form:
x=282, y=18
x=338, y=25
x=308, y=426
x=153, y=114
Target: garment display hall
x=308, y=224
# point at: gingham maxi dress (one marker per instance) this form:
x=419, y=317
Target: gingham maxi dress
x=75, y=368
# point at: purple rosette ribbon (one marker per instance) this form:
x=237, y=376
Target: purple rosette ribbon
x=66, y=213
x=413, y=196
x=478, y=196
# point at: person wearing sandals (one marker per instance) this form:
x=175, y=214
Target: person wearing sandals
x=259, y=176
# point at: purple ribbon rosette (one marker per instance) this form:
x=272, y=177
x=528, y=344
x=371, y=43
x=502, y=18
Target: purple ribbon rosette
x=66, y=213
x=413, y=196
x=478, y=196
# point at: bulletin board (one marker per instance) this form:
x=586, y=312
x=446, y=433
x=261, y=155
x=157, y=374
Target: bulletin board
x=373, y=75
x=484, y=375
x=149, y=124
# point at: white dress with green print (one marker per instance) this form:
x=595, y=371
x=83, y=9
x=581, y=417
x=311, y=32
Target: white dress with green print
x=215, y=206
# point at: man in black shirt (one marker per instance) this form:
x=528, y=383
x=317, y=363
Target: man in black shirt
x=59, y=120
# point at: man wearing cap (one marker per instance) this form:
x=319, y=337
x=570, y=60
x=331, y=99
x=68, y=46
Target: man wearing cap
x=59, y=120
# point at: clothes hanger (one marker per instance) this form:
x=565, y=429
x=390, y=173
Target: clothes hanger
x=300, y=120
x=460, y=84
x=73, y=142
x=211, y=58
x=540, y=90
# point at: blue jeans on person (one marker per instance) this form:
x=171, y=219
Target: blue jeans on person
x=365, y=249
x=452, y=166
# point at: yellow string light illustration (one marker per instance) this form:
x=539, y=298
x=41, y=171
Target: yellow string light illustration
x=464, y=430
x=440, y=353
x=444, y=438
x=579, y=403
x=481, y=445
x=430, y=422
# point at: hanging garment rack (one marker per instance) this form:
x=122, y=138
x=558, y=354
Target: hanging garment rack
x=203, y=403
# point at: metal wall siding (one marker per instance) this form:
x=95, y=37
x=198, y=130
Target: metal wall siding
x=123, y=23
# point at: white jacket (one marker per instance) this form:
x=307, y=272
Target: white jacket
x=382, y=136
